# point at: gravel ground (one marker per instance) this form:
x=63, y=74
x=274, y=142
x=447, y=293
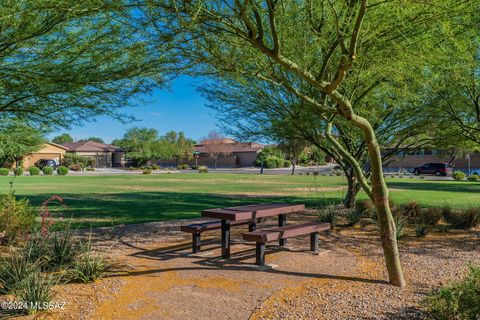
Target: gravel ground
x=346, y=281
x=428, y=263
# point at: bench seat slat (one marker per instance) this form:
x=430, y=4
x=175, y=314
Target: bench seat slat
x=212, y=225
x=272, y=234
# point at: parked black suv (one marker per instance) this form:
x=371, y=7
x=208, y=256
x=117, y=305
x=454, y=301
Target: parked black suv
x=46, y=163
x=438, y=169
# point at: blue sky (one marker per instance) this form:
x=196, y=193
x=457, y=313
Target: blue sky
x=179, y=108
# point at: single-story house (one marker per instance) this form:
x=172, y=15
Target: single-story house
x=48, y=151
x=105, y=155
x=407, y=160
x=231, y=152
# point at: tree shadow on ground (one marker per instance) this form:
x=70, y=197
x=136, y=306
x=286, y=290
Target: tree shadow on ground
x=237, y=262
x=94, y=210
x=453, y=186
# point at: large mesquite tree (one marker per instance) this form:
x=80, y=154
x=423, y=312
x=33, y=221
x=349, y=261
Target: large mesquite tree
x=307, y=48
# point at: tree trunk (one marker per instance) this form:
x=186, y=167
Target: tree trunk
x=293, y=167
x=352, y=190
x=386, y=223
x=379, y=190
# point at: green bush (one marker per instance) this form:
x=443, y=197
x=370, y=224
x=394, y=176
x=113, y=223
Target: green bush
x=400, y=224
x=90, y=267
x=17, y=218
x=13, y=271
x=353, y=216
x=270, y=163
x=202, y=169
x=147, y=171
x=287, y=164
x=458, y=175
x=457, y=300
x=62, y=171
x=18, y=171
x=155, y=167
x=328, y=214
x=36, y=289
x=48, y=171
x=182, y=166
x=34, y=171
x=421, y=229
x=4, y=171
x=71, y=159
x=474, y=177
x=280, y=162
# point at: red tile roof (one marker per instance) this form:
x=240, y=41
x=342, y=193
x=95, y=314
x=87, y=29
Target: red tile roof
x=90, y=146
x=230, y=145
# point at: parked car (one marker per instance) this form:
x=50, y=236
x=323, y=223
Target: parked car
x=438, y=169
x=46, y=163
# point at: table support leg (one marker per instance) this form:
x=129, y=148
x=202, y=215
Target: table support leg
x=196, y=244
x=260, y=254
x=282, y=221
x=314, y=242
x=225, y=239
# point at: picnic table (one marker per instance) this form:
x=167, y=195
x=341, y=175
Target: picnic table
x=252, y=213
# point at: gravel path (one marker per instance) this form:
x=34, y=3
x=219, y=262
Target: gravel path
x=347, y=280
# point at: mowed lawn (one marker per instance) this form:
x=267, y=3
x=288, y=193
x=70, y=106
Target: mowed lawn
x=124, y=199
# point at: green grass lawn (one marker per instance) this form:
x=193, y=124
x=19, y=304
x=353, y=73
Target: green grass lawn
x=124, y=199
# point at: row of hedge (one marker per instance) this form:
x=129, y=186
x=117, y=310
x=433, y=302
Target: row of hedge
x=459, y=175
x=35, y=171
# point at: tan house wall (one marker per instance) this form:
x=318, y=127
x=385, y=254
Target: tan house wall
x=48, y=151
x=412, y=161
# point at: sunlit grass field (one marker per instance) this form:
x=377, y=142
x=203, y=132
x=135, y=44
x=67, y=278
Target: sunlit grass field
x=125, y=199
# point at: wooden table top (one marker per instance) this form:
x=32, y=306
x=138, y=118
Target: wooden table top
x=252, y=211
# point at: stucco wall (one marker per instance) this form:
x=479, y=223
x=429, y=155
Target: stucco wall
x=48, y=151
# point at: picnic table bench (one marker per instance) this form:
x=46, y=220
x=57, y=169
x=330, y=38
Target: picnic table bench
x=261, y=237
x=196, y=229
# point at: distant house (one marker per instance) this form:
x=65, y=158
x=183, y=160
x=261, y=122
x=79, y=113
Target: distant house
x=105, y=155
x=407, y=160
x=48, y=151
x=231, y=152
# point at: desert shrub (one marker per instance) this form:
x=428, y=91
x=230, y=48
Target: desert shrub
x=194, y=167
x=13, y=271
x=90, y=267
x=328, y=214
x=365, y=207
x=421, y=229
x=61, y=251
x=76, y=167
x=34, y=171
x=443, y=228
x=338, y=172
x=48, y=171
x=4, y=171
x=36, y=290
x=353, y=216
x=202, y=169
x=458, y=175
x=400, y=224
x=18, y=171
x=474, y=177
x=457, y=300
x=147, y=171
x=71, y=159
x=412, y=209
x=462, y=219
x=432, y=215
x=62, y=171
x=17, y=217
x=155, y=167
x=185, y=166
